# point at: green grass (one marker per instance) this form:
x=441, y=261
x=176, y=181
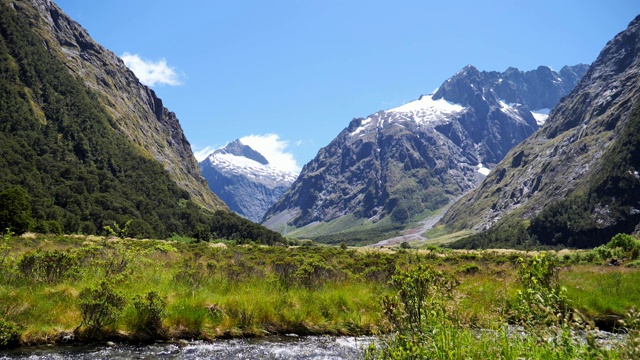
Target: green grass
x=439, y=235
x=357, y=231
x=214, y=290
x=602, y=290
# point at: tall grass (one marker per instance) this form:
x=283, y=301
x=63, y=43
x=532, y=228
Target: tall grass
x=209, y=291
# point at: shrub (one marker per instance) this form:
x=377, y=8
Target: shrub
x=150, y=311
x=9, y=334
x=314, y=274
x=190, y=273
x=285, y=270
x=624, y=241
x=101, y=306
x=53, y=227
x=421, y=295
x=49, y=267
x=470, y=268
x=541, y=299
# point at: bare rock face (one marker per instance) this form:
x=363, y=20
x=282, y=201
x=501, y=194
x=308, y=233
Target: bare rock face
x=138, y=112
x=400, y=162
x=571, y=156
x=244, y=179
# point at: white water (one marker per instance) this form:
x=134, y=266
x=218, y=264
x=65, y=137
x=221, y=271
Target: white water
x=304, y=348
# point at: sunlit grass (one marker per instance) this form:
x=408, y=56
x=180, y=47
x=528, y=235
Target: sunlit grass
x=213, y=291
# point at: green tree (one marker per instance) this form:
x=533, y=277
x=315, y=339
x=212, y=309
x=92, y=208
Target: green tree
x=15, y=212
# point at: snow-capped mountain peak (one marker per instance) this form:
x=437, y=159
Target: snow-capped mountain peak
x=244, y=179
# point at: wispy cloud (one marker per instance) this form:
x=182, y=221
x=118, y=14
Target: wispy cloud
x=202, y=154
x=274, y=149
x=151, y=72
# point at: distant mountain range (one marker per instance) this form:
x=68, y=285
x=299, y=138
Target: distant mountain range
x=399, y=163
x=244, y=179
x=575, y=181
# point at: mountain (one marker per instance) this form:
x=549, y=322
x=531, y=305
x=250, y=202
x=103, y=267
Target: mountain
x=135, y=108
x=83, y=145
x=244, y=179
x=398, y=163
x=575, y=181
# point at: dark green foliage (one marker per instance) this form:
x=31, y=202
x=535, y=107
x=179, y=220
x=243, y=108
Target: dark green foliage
x=53, y=227
x=49, y=267
x=100, y=306
x=150, y=310
x=9, y=334
x=15, y=212
x=231, y=226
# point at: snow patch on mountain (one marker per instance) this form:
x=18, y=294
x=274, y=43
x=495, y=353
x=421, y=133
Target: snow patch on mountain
x=483, y=170
x=426, y=109
x=540, y=115
x=511, y=110
x=240, y=165
x=362, y=127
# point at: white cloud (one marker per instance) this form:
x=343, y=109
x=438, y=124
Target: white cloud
x=202, y=153
x=151, y=72
x=273, y=148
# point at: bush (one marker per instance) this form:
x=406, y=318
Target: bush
x=624, y=241
x=101, y=306
x=9, y=334
x=470, y=268
x=541, y=300
x=49, y=267
x=421, y=295
x=53, y=227
x=150, y=311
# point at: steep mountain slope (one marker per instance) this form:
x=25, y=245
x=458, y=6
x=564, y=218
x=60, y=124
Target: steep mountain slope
x=244, y=179
x=400, y=162
x=136, y=109
x=575, y=181
x=66, y=164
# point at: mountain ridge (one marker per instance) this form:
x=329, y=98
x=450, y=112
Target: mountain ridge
x=139, y=113
x=401, y=162
x=560, y=169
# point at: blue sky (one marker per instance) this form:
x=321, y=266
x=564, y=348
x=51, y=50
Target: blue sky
x=289, y=75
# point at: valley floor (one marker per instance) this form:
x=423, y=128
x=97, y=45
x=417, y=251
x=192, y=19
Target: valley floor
x=56, y=289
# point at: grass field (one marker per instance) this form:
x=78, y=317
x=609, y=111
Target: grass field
x=49, y=287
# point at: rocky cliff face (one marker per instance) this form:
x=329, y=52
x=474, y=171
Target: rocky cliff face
x=244, y=179
x=403, y=161
x=139, y=113
x=570, y=159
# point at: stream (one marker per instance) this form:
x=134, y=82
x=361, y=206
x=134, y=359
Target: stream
x=281, y=347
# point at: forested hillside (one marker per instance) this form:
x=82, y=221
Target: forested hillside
x=59, y=145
